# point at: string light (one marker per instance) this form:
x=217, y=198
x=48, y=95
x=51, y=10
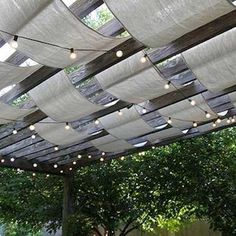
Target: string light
x=143, y=59
x=61, y=171
x=35, y=165
x=56, y=148
x=120, y=113
x=32, y=127
x=14, y=131
x=33, y=136
x=218, y=120
x=103, y=153
x=208, y=115
x=79, y=156
x=67, y=126
x=47, y=175
x=192, y=102
x=119, y=53
x=214, y=124
x=70, y=169
x=12, y=159
x=72, y=53
x=167, y=85
x=14, y=42
x=169, y=121
x=96, y=122
x=194, y=124
x=144, y=110
x=2, y=160
x=101, y=159
x=233, y=120
x=55, y=166
x=122, y=158
x=34, y=174
x=74, y=162
x=153, y=147
x=89, y=156
x=228, y=121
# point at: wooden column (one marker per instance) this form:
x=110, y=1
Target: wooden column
x=68, y=203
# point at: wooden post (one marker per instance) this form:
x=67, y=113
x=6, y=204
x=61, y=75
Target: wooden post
x=68, y=203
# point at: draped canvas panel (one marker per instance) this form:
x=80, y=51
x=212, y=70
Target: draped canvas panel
x=57, y=134
x=213, y=62
x=10, y=114
x=109, y=143
x=10, y=74
x=209, y=127
x=51, y=21
x=127, y=126
x=133, y=81
x=183, y=113
x=233, y=98
x=60, y=100
x=158, y=22
x=164, y=134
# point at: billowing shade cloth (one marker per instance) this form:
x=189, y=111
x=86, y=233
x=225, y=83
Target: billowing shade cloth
x=183, y=113
x=164, y=134
x=9, y=114
x=109, y=143
x=10, y=74
x=57, y=134
x=158, y=22
x=233, y=98
x=51, y=21
x=213, y=62
x=60, y=100
x=127, y=126
x=133, y=81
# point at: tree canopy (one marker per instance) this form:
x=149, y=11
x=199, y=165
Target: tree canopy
x=165, y=187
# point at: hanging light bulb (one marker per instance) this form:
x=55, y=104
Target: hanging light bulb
x=72, y=53
x=56, y=148
x=167, y=85
x=14, y=42
x=35, y=165
x=14, y=131
x=2, y=160
x=192, y=102
x=55, y=166
x=143, y=59
x=12, y=159
x=144, y=110
x=233, y=119
x=103, y=153
x=96, y=122
x=32, y=127
x=101, y=159
x=214, y=124
x=228, y=121
x=208, y=115
x=74, y=162
x=89, y=156
x=79, y=156
x=61, y=171
x=218, y=120
x=120, y=113
x=34, y=174
x=67, y=126
x=119, y=53
x=33, y=136
x=47, y=175
x=169, y=121
x=194, y=124
x=70, y=169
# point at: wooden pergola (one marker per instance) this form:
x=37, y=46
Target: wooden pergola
x=65, y=162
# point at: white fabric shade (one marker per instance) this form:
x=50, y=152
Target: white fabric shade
x=158, y=22
x=10, y=114
x=183, y=113
x=127, y=126
x=57, y=134
x=164, y=134
x=213, y=62
x=133, y=81
x=208, y=127
x=60, y=100
x=109, y=143
x=51, y=21
x=11, y=74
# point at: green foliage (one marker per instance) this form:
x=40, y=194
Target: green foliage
x=167, y=186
